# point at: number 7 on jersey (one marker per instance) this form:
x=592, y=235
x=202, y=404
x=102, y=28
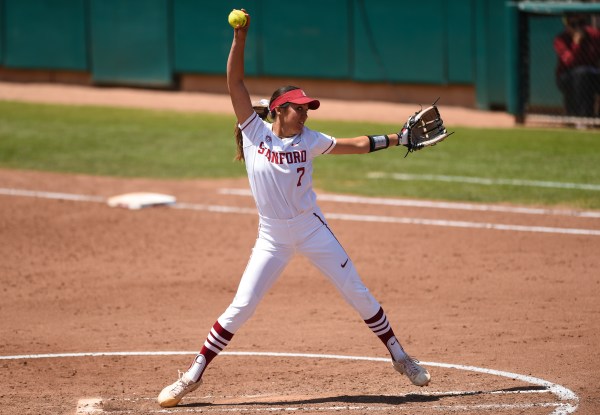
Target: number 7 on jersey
x=301, y=171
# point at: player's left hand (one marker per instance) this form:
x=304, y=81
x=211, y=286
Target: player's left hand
x=423, y=129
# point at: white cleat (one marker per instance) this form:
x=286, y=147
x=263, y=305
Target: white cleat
x=410, y=367
x=172, y=394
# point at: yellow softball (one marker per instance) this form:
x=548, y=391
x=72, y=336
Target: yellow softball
x=237, y=18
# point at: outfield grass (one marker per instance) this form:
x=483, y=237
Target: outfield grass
x=160, y=144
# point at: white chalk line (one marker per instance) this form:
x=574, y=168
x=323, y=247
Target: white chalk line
x=464, y=224
x=482, y=181
x=569, y=404
x=434, y=205
x=87, y=406
x=51, y=195
x=446, y=205
x=338, y=216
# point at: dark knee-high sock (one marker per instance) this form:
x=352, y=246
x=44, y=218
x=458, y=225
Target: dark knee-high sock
x=380, y=325
x=218, y=338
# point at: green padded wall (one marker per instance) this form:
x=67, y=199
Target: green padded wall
x=385, y=45
x=131, y=42
x=148, y=42
x=491, y=35
x=496, y=22
x=460, y=41
x=343, y=39
x=542, y=84
x=45, y=34
x=311, y=39
x=202, y=36
x=2, y=28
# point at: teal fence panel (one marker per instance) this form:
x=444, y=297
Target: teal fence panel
x=386, y=35
x=131, y=42
x=493, y=39
x=2, y=29
x=460, y=41
x=45, y=34
x=514, y=89
x=202, y=37
x=308, y=39
x=543, y=90
x=496, y=56
x=148, y=42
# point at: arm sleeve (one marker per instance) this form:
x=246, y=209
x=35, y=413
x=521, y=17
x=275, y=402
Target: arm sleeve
x=320, y=143
x=565, y=54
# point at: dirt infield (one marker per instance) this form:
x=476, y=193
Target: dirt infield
x=82, y=277
x=508, y=321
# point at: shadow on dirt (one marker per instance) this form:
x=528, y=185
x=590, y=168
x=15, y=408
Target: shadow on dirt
x=372, y=399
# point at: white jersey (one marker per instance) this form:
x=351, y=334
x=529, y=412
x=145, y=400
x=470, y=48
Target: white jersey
x=280, y=169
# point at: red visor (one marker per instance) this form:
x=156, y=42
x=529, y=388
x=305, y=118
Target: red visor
x=295, y=96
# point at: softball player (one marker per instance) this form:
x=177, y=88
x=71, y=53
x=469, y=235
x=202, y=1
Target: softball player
x=278, y=159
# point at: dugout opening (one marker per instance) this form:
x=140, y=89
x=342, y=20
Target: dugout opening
x=554, y=63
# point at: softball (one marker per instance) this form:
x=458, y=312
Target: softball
x=237, y=18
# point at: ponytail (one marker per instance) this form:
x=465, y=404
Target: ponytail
x=239, y=151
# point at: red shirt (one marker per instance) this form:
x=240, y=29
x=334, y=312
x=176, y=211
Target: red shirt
x=571, y=55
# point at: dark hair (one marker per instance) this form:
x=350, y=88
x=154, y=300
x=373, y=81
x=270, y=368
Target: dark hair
x=575, y=20
x=263, y=112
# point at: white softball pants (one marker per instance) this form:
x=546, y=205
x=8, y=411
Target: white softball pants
x=278, y=241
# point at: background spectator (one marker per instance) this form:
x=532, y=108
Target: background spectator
x=577, y=73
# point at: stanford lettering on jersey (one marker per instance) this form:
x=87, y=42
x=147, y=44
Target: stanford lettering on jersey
x=280, y=157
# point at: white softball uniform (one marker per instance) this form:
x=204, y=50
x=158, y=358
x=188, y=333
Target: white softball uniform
x=290, y=222
x=280, y=170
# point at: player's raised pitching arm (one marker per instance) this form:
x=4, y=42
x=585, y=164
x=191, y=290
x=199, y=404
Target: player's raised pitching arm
x=240, y=98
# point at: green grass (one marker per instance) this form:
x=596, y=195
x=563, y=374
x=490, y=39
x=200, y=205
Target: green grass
x=116, y=142
x=160, y=144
